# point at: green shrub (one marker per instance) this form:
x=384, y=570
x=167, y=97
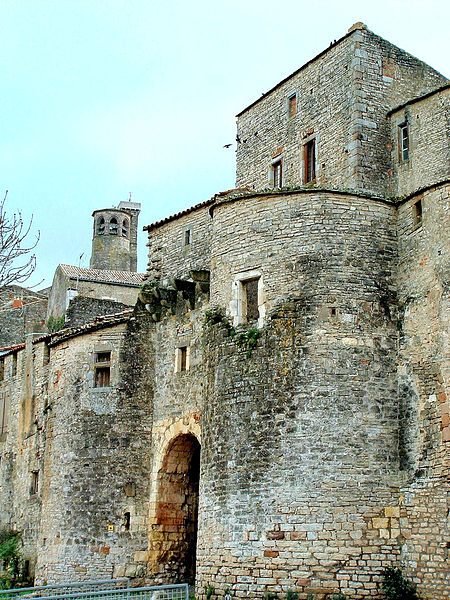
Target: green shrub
x=10, y=557
x=396, y=587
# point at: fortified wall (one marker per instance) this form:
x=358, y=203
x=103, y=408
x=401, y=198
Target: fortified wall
x=273, y=413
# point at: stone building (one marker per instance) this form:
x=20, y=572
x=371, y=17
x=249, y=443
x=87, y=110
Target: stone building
x=273, y=414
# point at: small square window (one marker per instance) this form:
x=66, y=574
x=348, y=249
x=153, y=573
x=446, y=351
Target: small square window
x=310, y=161
x=277, y=174
x=292, y=105
x=417, y=213
x=403, y=142
x=102, y=368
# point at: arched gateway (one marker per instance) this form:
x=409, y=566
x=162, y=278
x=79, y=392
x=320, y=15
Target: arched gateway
x=173, y=532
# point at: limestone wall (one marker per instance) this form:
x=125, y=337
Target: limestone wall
x=429, y=153
x=169, y=255
x=424, y=385
x=342, y=99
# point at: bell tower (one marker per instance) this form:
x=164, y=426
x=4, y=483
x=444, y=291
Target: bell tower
x=114, y=240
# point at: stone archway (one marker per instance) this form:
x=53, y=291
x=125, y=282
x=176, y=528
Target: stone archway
x=173, y=537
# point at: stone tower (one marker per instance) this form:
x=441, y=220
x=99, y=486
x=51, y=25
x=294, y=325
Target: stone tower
x=114, y=240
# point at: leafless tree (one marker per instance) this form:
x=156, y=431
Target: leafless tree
x=16, y=262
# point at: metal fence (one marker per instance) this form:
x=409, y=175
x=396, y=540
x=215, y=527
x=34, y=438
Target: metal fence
x=157, y=592
x=65, y=589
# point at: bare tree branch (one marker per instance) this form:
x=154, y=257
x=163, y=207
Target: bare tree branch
x=13, y=233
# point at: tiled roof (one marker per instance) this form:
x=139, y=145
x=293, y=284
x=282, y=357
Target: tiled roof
x=104, y=276
x=97, y=323
x=8, y=349
x=186, y=211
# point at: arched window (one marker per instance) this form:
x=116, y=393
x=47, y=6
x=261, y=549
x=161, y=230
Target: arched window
x=125, y=226
x=113, y=227
x=101, y=226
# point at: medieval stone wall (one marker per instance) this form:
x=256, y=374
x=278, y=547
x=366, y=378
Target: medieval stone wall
x=342, y=100
x=429, y=154
x=170, y=256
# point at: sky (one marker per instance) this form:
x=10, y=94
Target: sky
x=101, y=98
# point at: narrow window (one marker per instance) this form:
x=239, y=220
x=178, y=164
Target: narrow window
x=250, y=309
x=14, y=365
x=113, y=227
x=403, y=142
x=417, y=213
x=101, y=226
x=125, y=226
x=126, y=521
x=34, y=483
x=182, y=359
x=310, y=161
x=277, y=174
x=102, y=369
x=292, y=105
x=2, y=369
x=46, y=354
x=3, y=413
x=187, y=237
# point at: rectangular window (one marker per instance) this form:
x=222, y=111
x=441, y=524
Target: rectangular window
x=187, y=237
x=3, y=413
x=46, y=354
x=14, y=365
x=250, y=309
x=403, y=142
x=34, y=483
x=292, y=105
x=417, y=213
x=310, y=161
x=2, y=369
x=102, y=369
x=182, y=359
x=277, y=174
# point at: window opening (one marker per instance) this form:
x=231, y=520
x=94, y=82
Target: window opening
x=417, y=211
x=250, y=306
x=277, y=174
x=187, y=238
x=102, y=369
x=292, y=105
x=3, y=413
x=34, y=482
x=403, y=142
x=14, y=365
x=46, y=354
x=2, y=369
x=126, y=521
x=182, y=359
x=125, y=226
x=310, y=161
x=113, y=227
x=101, y=226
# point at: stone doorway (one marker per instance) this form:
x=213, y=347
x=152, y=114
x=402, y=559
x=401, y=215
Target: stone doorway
x=174, y=529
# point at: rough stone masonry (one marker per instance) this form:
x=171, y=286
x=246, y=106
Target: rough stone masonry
x=273, y=415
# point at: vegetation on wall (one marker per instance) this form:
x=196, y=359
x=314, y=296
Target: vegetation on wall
x=55, y=324
x=246, y=340
x=11, y=564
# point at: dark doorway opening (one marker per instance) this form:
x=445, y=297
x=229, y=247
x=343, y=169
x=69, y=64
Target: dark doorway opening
x=174, y=530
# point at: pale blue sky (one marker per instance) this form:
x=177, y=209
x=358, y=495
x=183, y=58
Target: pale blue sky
x=102, y=98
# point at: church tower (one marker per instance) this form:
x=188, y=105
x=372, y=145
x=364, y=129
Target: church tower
x=114, y=241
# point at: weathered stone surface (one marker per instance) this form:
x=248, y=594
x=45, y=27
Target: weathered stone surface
x=322, y=423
